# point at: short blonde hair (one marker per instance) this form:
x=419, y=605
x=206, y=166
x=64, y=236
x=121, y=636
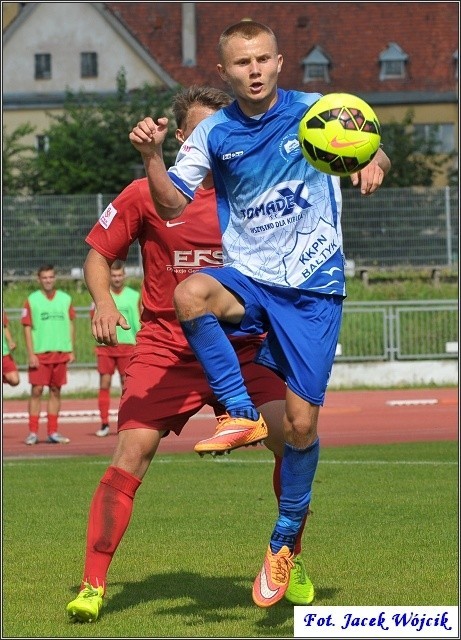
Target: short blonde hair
x=246, y=29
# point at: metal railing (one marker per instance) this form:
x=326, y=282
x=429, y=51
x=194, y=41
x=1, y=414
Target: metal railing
x=399, y=330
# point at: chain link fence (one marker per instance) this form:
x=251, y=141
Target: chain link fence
x=408, y=227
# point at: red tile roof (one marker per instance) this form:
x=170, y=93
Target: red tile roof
x=352, y=35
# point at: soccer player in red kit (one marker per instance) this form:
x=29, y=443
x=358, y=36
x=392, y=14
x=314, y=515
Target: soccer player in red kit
x=164, y=384
x=10, y=373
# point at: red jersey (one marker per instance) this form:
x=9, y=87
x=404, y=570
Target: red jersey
x=171, y=251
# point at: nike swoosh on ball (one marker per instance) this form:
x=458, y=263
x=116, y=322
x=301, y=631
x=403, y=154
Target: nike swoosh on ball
x=339, y=145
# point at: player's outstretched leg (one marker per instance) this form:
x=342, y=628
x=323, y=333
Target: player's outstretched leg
x=242, y=425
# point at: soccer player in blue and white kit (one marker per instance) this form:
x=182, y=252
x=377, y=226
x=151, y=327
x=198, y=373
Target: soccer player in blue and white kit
x=283, y=263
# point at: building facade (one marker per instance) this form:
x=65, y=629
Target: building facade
x=398, y=56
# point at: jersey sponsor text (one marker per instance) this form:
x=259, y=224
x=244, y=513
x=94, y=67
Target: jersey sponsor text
x=107, y=216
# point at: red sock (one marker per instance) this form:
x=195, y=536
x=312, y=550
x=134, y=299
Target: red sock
x=109, y=516
x=278, y=491
x=52, y=423
x=33, y=424
x=104, y=404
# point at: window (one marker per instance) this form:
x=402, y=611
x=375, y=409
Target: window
x=456, y=63
x=393, y=69
x=42, y=66
x=316, y=66
x=392, y=62
x=42, y=144
x=442, y=136
x=89, y=64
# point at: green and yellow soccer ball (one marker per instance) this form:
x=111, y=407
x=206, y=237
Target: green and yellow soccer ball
x=339, y=134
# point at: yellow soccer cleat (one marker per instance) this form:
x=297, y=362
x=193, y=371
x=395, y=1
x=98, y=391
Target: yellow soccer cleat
x=300, y=588
x=272, y=581
x=232, y=433
x=87, y=605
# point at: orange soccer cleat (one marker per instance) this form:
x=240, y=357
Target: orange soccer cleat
x=232, y=433
x=272, y=581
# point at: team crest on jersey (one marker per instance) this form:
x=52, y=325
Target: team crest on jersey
x=289, y=146
x=107, y=216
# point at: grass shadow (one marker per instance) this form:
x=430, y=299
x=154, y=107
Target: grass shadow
x=211, y=596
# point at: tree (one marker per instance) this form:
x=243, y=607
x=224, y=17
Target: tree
x=17, y=160
x=416, y=160
x=88, y=147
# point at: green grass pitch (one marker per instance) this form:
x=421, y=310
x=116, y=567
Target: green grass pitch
x=384, y=531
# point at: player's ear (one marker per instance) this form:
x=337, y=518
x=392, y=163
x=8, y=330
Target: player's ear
x=280, y=62
x=179, y=135
x=222, y=73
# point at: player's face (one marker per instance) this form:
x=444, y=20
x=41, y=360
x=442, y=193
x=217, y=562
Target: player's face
x=117, y=278
x=47, y=280
x=251, y=68
x=195, y=114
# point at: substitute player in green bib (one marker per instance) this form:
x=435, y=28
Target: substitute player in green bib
x=112, y=358
x=49, y=331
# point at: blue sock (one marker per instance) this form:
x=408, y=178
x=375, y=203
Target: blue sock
x=296, y=477
x=215, y=353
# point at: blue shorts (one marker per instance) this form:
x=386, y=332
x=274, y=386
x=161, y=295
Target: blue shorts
x=302, y=330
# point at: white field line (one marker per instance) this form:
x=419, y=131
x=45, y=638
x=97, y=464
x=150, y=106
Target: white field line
x=408, y=403
x=227, y=460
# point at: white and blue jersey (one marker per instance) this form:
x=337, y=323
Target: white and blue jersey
x=279, y=217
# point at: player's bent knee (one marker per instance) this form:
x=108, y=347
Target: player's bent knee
x=190, y=296
x=301, y=433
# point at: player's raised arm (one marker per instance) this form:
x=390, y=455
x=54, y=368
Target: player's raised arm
x=148, y=137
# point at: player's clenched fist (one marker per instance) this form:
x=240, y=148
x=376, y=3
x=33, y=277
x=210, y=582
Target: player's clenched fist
x=147, y=136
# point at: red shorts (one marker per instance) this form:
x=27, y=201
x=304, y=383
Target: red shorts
x=162, y=392
x=49, y=375
x=112, y=359
x=8, y=364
